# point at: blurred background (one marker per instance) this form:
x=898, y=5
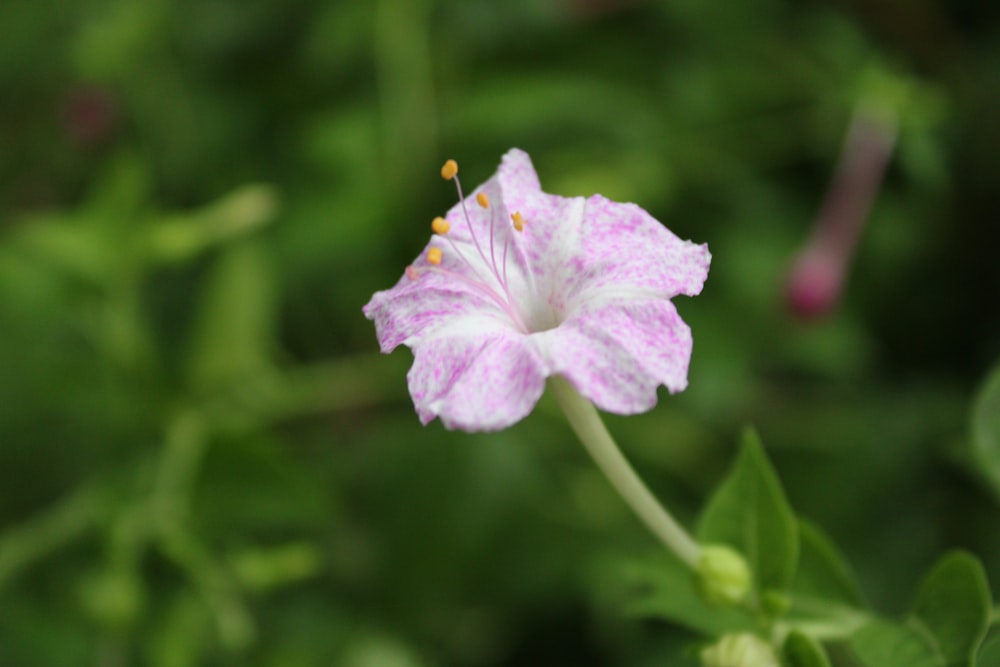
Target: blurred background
x=205, y=461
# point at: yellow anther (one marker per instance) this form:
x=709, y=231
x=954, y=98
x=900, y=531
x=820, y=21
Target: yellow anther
x=440, y=225
x=518, y=220
x=434, y=256
x=483, y=200
x=449, y=170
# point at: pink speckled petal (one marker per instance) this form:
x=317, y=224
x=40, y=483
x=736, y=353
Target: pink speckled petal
x=621, y=248
x=415, y=309
x=475, y=378
x=517, y=177
x=617, y=353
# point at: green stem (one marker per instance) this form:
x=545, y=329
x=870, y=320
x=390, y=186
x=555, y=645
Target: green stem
x=587, y=424
x=837, y=627
x=51, y=530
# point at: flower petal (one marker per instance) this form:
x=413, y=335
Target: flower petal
x=576, y=249
x=617, y=353
x=624, y=247
x=409, y=312
x=415, y=308
x=517, y=176
x=621, y=249
x=476, y=378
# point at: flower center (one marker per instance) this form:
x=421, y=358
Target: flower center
x=490, y=279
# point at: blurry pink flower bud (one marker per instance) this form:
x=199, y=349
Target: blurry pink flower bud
x=90, y=114
x=820, y=267
x=814, y=283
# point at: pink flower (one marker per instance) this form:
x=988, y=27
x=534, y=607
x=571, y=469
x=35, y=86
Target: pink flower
x=524, y=285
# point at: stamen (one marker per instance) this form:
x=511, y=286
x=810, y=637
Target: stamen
x=505, y=305
x=440, y=225
x=503, y=262
x=412, y=273
x=518, y=220
x=493, y=255
x=449, y=170
x=465, y=213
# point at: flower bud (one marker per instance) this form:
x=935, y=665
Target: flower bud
x=775, y=604
x=740, y=650
x=723, y=575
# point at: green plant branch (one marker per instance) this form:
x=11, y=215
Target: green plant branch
x=216, y=585
x=838, y=626
x=50, y=530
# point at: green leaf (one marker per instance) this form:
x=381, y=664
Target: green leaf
x=888, y=644
x=953, y=605
x=803, y=651
x=182, y=633
x=823, y=572
x=989, y=652
x=665, y=589
x=236, y=319
x=824, y=590
x=120, y=194
x=749, y=512
x=263, y=569
x=986, y=429
x=949, y=621
x=181, y=237
x=65, y=245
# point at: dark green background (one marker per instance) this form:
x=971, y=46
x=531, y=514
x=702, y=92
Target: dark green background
x=203, y=459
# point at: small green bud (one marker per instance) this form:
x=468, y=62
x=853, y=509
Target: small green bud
x=775, y=604
x=723, y=575
x=739, y=650
x=113, y=598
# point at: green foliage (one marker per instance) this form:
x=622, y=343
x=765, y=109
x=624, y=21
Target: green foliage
x=664, y=588
x=205, y=461
x=947, y=623
x=890, y=644
x=749, y=512
x=816, y=596
x=989, y=654
x=986, y=429
x=801, y=650
x=234, y=324
x=953, y=606
x=823, y=573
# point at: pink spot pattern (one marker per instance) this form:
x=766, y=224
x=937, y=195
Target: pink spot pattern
x=583, y=292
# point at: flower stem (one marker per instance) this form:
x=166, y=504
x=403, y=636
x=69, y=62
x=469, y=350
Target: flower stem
x=588, y=426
